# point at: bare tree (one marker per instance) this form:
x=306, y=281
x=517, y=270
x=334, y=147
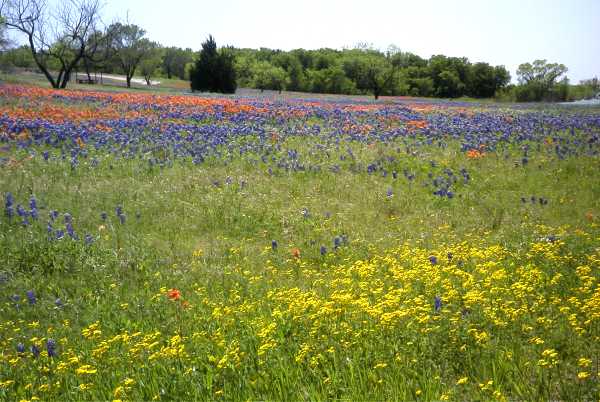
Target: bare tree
x=58, y=39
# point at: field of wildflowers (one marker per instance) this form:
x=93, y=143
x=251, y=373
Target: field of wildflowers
x=163, y=247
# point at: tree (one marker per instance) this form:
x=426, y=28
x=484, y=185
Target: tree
x=56, y=39
x=538, y=80
x=19, y=57
x=97, y=51
x=371, y=70
x=151, y=62
x=485, y=80
x=214, y=71
x=268, y=76
x=129, y=47
x=450, y=75
x=174, y=61
x=4, y=41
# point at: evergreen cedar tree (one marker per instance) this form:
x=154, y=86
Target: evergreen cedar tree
x=214, y=70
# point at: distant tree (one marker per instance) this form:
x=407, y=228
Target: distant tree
x=4, y=41
x=129, y=47
x=593, y=84
x=538, y=81
x=214, y=71
x=371, y=70
x=174, y=61
x=244, y=64
x=19, y=57
x=485, y=80
x=57, y=40
x=268, y=76
x=330, y=80
x=151, y=62
x=450, y=75
x=97, y=51
x=226, y=77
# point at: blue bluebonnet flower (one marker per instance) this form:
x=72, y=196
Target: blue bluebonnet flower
x=20, y=348
x=59, y=234
x=53, y=215
x=35, y=351
x=15, y=298
x=68, y=218
x=21, y=211
x=449, y=255
x=390, y=192
x=89, y=239
x=46, y=155
x=323, y=250
x=31, y=297
x=58, y=303
x=103, y=215
x=433, y=259
x=33, y=208
x=51, y=348
x=274, y=245
x=8, y=205
x=337, y=241
x=305, y=212
x=71, y=231
x=437, y=304
x=120, y=214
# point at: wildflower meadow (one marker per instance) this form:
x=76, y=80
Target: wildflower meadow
x=272, y=247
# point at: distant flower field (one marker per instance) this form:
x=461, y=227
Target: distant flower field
x=162, y=247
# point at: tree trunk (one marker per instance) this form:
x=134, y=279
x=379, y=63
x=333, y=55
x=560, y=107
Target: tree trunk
x=86, y=64
x=128, y=77
x=40, y=65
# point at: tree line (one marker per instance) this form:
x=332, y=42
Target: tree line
x=70, y=37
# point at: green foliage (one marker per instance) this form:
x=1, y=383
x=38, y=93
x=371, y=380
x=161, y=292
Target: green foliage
x=19, y=57
x=151, y=62
x=364, y=70
x=129, y=47
x=539, y=82
x=586, y=89
x=174, y=61
x=214, y=70
x=268, y=76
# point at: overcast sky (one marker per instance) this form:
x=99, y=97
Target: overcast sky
x=506, y=32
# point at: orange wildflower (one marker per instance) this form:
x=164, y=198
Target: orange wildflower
x=475, y=154
x=296, y=252
x=174, y=294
